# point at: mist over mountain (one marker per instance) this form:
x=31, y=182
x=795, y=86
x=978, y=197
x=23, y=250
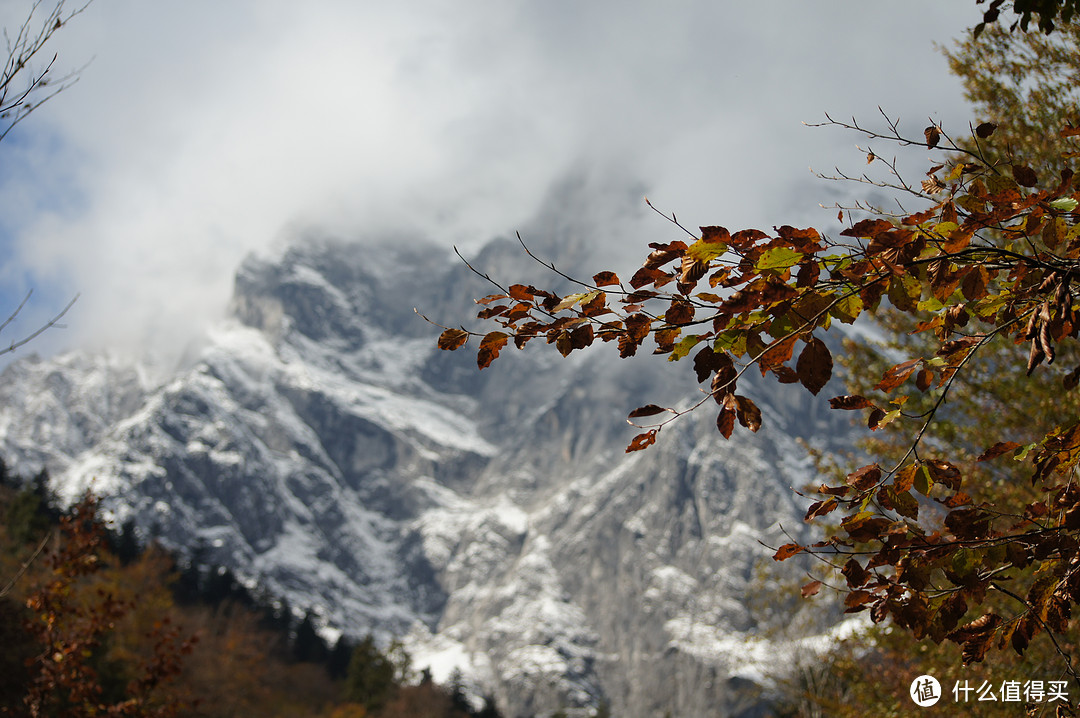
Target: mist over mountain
x=320, y=445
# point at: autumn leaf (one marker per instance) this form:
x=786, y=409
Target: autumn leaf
x=850, y=402
x=933, y=136
x=896, y=375
x=605, y=279
x=856, y=601
x=1024, y=176
x=855, y=574
x=864, y=478
x=725, y=422
x=642, y=441
x=820, y=508
x=647, y=410
x=748, y=413
x=1002, y=447
x=707, y=361
x=452, y=339
x=521, y=292
x=490, y=346
x=787, y=551
x=814, y=366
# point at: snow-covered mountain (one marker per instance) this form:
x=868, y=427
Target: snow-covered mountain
x=320, y=444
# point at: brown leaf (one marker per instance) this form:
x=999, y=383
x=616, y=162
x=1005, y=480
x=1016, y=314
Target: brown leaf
x=715, y=235
x=932, y=135
x=1072, y=379
x=691, y=271
x=850, y=401
x=974, y=284
x=605, y=279
x=664, y=253
x=895, y=376
x=725, y=422
x=1035, y=358
x=680, y=312
x=723, y=382
x=452, y=339
x=581, y=337
x=932, y=185
x=646, y=276
x=957, y=499
x=820, y=508
x=647, y=410
x=1024, y=176
x=642, y=441
x=856, y=601
x=748, y=413
x=747, y=237
x=855, y=574
x=924, y=379
x=956, y=345
x=943, y=472
x=562, y=343
x=864, y=478
x=708, y=361
x=1002, y=447
x=785, y=374
x=1022, y=634
x=521, y=292
x=777, y=354
x=787, y=551
x=815, y=365
x=868, y=228
x=985, y=130
x=490, y=346
x=862, y=527
x=811, y=589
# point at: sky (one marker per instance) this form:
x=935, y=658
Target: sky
x=204, y=130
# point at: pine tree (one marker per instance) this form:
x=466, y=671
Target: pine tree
x=370, y=679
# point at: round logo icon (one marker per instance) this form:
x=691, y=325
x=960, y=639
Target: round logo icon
x=925, y=691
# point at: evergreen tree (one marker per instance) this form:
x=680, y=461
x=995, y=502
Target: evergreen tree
x=307, y=645
x=125, y=543
x=370, y=679
x=337, y=663
x=28, y=518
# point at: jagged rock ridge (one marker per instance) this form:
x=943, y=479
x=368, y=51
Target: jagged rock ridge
x=322, y=446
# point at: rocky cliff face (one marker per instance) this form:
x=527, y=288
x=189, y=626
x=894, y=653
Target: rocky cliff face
x=322, y=446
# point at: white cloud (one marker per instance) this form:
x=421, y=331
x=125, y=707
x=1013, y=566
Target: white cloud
x=205, y=130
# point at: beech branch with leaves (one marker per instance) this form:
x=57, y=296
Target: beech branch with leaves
x=994, y=257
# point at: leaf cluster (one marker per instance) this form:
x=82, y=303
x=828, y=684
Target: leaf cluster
x=991, y=261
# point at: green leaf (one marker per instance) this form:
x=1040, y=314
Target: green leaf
x=702, y=251
x=923, y=482
x=684, y=346
x=848, y=309
x=778, y=258
x=930, y=304
x=733, y=342
x=1064, y=204
x=571, y=299
x=888, y=418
